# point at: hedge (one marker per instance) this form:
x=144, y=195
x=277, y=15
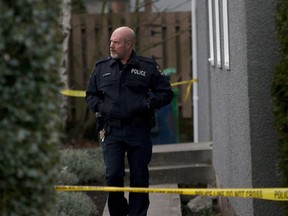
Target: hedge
x=79, y=167
x=280, y=90
x=30, y=118
x=75, y=204
x=86, y=164
x=280, y=87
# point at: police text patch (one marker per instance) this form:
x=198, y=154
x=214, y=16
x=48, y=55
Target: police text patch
x=138, y=72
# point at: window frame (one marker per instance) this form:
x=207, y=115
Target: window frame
x=211, y=33
x=226, y=34
x=218, y=35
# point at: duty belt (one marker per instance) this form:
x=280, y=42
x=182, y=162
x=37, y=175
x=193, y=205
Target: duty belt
x=135, y=121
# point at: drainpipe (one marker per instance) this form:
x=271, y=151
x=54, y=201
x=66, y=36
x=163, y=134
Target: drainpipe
x=194, y=71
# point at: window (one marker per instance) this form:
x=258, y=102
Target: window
x=211, y=33
x=215, y=34
x=226, y=35
x=217, y=28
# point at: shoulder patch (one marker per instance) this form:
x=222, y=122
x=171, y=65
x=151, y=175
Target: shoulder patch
x=160, y=70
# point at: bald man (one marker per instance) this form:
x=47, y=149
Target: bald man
x=125, y=90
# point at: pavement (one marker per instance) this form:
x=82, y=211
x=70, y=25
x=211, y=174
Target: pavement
x=160, y=204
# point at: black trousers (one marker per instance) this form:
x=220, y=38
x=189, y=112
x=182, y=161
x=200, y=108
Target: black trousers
x=136, y=143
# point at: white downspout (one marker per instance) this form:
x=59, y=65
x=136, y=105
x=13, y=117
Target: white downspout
x=194, y=71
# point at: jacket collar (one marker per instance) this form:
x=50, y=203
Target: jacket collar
x=134, y=61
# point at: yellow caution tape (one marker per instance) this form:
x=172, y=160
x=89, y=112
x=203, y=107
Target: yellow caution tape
x=80, y=93
x=188, y=89
x=184, y=82
x=73, y=93
x=276, y=194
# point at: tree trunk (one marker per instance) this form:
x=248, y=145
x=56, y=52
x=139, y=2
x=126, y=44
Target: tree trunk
x=65, y=25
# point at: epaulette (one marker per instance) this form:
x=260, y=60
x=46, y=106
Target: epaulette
x=152, y=61
x=146, y=59
x=102, y=60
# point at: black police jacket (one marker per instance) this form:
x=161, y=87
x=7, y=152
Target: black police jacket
x=135, y=90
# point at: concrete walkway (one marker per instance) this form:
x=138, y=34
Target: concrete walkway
x=161, y=204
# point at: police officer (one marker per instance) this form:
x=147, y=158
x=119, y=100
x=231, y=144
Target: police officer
x=125, y=89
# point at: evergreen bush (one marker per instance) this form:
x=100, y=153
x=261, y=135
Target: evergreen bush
x=78, y=166
x=280, y=88
x=86, y=164
x=75, y=204
x=65, y=177
x=29, y=110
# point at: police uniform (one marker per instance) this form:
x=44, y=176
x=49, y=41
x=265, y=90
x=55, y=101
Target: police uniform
x=126, y=97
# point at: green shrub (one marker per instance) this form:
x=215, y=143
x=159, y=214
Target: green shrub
x=29, y=110
x=280, y=89
x=86, y=164
x=75, y=204
x=79, y=166
x=64, y=177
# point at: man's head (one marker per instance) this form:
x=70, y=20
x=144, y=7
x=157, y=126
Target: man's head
x=121, y=43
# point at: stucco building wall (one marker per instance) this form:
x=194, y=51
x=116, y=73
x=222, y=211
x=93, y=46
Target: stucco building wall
x=245, y=148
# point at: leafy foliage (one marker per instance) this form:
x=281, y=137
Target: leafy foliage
x=79, y=166
x=30, y=106
x=86, y=164
x=280, y=89
x=75, y=204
